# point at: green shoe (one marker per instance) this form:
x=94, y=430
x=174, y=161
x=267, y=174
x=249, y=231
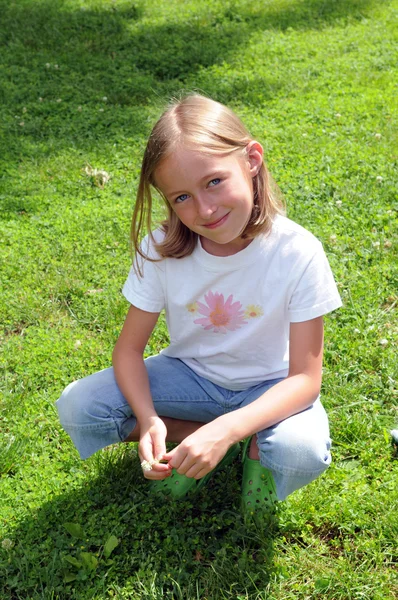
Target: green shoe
x=258, y=486
x=178, y=486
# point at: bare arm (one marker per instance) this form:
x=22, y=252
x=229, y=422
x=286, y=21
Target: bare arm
x=295, y=393
x=128, y=362
x=132, y=379
x=201, y=451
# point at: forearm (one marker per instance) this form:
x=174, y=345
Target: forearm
x=286, y=398
x=132, y=379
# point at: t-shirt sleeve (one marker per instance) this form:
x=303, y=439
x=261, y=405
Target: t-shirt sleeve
x=316, y=292
x=146, y=292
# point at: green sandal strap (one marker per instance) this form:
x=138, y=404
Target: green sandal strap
x=175, y=485
x=245, y=447
x=258, y=485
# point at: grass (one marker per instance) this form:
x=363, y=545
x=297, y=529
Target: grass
x=80, y=85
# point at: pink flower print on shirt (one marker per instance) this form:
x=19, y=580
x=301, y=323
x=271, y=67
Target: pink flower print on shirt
x=220, y=315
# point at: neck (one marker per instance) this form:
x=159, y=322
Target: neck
x=224, y=249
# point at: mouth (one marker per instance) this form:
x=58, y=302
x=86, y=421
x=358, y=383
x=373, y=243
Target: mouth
x=217, y=223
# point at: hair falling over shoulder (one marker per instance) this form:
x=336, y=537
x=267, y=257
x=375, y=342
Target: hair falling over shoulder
x=212, y=128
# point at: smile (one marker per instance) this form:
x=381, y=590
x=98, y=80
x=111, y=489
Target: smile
x=216, y=224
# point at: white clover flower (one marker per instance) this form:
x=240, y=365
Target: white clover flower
x=24, y=109
x=48, y=65
x=387, y=244
x=379, y=178
x=59, y=99
x=55, y=66
x=147, y=465
x=22, y=123
x=7, y=544
x=337, y=115
x=383, y=342
x=376, y=244
x=378, y=136
x=100, y=110
x=356, y=330
x=99, y=178
x=77, y=344
x=338, y=203
x=40, y=99
x=104, y=99
x=332, y=238
x=79, y=108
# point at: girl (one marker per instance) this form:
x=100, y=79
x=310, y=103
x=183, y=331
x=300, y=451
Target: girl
x=244, y=290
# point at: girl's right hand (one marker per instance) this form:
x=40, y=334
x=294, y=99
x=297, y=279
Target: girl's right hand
x=152, y=446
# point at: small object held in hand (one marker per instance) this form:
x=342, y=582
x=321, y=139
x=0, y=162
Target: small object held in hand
x=148, y=464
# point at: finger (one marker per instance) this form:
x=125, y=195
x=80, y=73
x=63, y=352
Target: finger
x=161, y=467
x=145, y=450
x=202, y=473
x=145, y=453
x=156, y=476
x=187, y=464
x=194, y=471
x=159, y=445
x=198, y=470
x=169, y=455
x=175, y=457
x=149, y=466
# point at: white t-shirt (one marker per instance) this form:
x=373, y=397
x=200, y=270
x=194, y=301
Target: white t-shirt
x=228, y=317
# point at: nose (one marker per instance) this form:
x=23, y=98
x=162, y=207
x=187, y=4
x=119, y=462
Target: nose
x=204, y=207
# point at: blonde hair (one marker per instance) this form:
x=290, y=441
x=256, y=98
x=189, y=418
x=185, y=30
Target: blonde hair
x=212, y=128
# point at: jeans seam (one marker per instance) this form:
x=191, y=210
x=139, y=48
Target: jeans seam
x=91, y=426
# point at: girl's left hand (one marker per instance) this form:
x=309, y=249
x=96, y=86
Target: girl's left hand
x=200, y=452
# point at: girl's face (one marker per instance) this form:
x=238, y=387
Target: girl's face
x=212, y=195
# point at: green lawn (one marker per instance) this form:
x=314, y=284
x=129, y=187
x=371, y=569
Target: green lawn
x=81, y=83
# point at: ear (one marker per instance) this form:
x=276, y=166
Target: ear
x=254, y=157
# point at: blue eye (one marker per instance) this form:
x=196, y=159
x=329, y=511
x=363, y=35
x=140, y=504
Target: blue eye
x=181, y=198
x=217, y=180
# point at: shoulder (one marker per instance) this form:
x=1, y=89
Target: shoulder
x=147, y=259
x=284, y=227
x=289, y=237
x=148, y=244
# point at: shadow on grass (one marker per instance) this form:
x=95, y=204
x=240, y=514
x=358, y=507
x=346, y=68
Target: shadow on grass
x=72, y=58
x=190, y=548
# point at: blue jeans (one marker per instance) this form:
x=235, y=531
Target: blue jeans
x=95, y=414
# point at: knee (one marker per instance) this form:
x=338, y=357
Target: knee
x=81, y=403
x=71, y=404
x=297, y=453
x=91, y=401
